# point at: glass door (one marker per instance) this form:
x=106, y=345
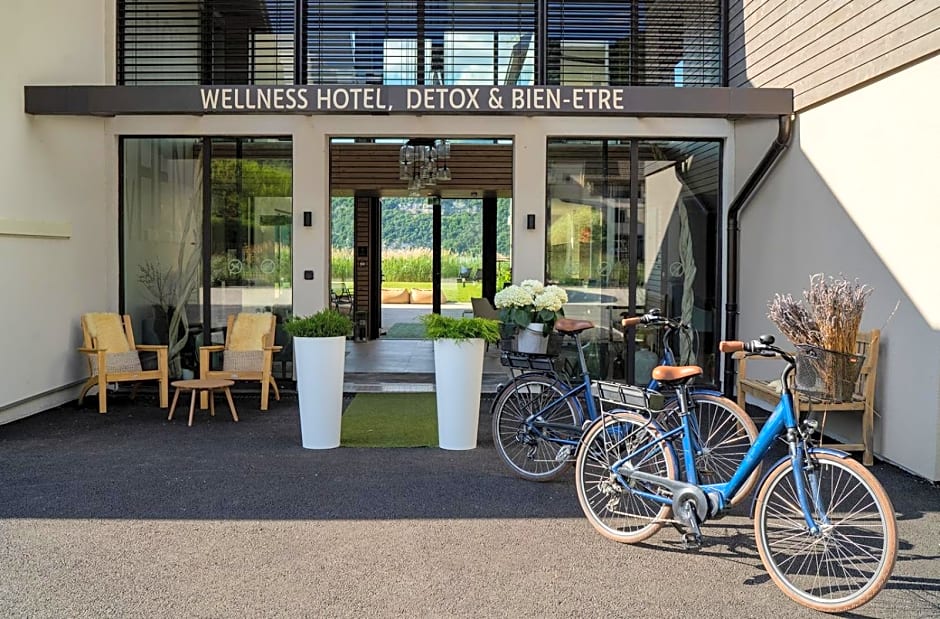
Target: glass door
x=461, y=254
x=409, y=281
x=250, y=234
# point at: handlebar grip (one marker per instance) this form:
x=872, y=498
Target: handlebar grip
x=732, y=346
x=632, y=322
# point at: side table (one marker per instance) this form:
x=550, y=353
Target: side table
x=199, y=385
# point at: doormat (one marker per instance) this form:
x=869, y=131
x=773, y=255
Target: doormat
x=407, y=331
x=390, y=420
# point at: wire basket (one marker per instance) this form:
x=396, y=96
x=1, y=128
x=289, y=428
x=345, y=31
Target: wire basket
x=618, y=396
x=826, y=374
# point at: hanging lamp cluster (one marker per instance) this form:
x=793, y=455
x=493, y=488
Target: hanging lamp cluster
x=423, y=163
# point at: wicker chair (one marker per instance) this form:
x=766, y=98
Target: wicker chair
x=247, y=354
x=108, y=342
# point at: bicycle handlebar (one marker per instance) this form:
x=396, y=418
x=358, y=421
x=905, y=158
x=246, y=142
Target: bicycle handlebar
x=653, y=317
x=763, y=346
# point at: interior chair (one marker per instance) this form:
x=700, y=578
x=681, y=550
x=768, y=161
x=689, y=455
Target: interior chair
x=247, y=354
x=114, y=357
x=482, y=308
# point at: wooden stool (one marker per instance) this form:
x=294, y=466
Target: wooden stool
x=199, y=385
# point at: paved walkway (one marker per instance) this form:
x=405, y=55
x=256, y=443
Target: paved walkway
x=128, y=515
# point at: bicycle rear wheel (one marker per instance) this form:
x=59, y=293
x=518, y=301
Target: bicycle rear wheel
x=615, y=510
x=723, y=433
x=534, y=454
x=851, y=558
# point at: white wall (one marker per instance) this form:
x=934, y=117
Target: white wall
x=856, y=194
x=56, y=175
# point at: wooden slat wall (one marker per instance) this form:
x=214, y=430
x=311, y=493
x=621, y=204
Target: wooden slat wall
x=821, y=48
x=374, y=168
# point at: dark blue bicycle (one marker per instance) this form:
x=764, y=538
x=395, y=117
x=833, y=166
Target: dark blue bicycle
x=825, y=528
x=538, y=418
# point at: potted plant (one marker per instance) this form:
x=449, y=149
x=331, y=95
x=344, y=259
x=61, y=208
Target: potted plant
x=532, y=308
x=320, y=354
x=459, y=344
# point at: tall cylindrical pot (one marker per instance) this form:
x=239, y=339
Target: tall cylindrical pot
x=458, y=373
x=320, y=367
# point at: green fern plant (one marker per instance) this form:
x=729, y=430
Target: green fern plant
x=445, y=327
x=325, y=323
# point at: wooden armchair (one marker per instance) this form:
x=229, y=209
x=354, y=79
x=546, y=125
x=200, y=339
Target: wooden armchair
x=862, y=403
x=108, y=343
x=247, y=354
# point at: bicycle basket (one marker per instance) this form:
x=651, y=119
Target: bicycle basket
x=620, y=396
x=826, y=374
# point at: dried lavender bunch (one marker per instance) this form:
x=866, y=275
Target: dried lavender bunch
x=830, y=317
x=837, y=305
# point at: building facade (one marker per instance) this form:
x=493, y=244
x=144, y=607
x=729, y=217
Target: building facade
x=190, y=159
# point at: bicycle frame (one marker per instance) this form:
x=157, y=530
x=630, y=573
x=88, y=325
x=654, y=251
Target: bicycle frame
x=782, y=421
x=572, y=392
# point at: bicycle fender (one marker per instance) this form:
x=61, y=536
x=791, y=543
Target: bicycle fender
x=838, y=453
x=670, y=400
x=714, y=392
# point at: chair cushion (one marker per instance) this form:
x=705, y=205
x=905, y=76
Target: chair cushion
x=249, y=331
x=118, y=362
x=242, y=360
x=107, y=331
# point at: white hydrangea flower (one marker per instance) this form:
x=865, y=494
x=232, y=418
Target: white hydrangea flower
x=513, y=296
x=552, y=298
x=534, y=286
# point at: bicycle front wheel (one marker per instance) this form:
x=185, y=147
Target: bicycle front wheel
x=848, y=562
x=536, y=454
x=615, y=510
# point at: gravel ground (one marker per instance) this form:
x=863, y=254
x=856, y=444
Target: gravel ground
x=128, y=515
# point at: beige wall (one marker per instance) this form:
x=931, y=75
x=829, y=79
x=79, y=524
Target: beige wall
x=856, y=195
x=56, y=175
x=822, y=48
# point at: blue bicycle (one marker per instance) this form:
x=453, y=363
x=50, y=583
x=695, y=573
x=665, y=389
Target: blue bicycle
x=825, y=528
x=538, y=419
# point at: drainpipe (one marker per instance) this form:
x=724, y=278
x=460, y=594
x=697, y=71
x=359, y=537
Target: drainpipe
x=780, y=144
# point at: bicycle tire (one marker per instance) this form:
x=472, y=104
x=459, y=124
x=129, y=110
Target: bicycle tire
x=724, y=434
x=527, y=454
x=509, y=385
x=614, y=510
x=859, y=544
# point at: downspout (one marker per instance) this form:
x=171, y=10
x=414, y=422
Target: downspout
x=780, y=144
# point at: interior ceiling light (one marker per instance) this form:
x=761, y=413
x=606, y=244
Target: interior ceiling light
x=423, y=163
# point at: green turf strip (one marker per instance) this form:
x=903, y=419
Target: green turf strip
x=390, y=420
x=406, y=331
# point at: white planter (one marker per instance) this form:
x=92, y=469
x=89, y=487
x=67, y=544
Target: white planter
x=320, y=365
x=531, y=339
x=458, y=374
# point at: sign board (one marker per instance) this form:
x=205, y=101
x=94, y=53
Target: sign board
x=364, y=99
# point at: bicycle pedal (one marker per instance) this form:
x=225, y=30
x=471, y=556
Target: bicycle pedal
x=691, y=541
x=564, y=453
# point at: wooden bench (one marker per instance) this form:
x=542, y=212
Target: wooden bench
x=863, y=400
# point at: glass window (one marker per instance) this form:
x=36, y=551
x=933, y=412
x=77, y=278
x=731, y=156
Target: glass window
x=164, y=259
x=613, y=254
x=163, y=244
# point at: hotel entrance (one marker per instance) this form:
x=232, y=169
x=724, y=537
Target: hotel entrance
x=417, y=225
